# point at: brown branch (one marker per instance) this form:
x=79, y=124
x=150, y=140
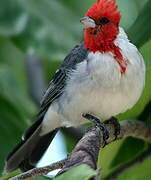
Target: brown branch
x=130, y=128
x=87, y=149
x=39, y=171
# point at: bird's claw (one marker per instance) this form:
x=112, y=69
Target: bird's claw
x=116, y=124
x=99, y=124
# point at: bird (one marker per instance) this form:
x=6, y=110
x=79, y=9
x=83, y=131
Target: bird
x=103, y=76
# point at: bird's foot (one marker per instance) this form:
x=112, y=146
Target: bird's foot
x=99, y=124
x=116, y=124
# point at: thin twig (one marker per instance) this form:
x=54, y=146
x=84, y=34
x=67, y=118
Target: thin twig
x=39, y=171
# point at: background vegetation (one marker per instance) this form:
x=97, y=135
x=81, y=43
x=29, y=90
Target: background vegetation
x=46, y=30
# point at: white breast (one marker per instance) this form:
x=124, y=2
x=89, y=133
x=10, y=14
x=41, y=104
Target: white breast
x=98, y=87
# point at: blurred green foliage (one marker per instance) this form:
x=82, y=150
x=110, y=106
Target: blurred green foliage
x=49, y=29
x=82, y=172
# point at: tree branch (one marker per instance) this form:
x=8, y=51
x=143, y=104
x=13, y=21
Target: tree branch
x=87, y=149
x=39, y=171
x=133, y=128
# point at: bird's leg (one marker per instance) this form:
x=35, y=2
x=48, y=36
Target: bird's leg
x=98, y=123
x=116, y=124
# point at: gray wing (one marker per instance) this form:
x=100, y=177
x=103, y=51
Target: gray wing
x=56, y=86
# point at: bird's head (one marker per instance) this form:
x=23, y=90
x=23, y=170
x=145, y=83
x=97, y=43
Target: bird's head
x=101, y=25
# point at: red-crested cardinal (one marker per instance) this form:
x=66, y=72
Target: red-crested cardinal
x=103, y=76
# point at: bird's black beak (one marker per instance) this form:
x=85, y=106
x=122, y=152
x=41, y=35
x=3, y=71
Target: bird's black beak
x=88, y=22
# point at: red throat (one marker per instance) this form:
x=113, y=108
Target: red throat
x=100, y=38
x=100, y=44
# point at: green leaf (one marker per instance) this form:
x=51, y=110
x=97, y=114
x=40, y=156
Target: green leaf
x=125, y=154
x=8, y=88
x=13, y=174
x=139, y=172
x=8, y=176
x=12, y=125
x=146, y=52
x=13, y=58
x=82, y=172
x=16, y=108
x=13, y=18
x=107, y=155
x=128, y=18
x=43, y=30
x=141, y=4
x=140, y=32
x=13, y=76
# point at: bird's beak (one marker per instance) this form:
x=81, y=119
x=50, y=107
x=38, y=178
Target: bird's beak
x=88, y=22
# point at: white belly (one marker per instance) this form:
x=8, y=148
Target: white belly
x=99, y=88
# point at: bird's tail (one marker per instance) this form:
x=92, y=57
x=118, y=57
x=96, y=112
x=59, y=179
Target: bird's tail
x=29, y=151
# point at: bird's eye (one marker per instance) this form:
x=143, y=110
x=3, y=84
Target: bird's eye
x=104, y=20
